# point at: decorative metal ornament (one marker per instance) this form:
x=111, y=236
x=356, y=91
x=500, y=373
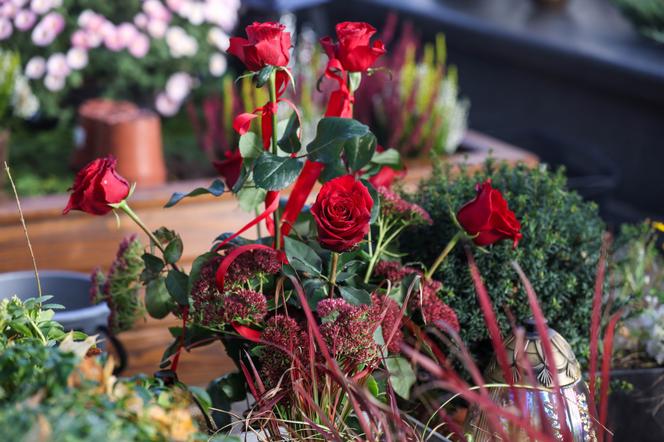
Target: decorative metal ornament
x=536, y=394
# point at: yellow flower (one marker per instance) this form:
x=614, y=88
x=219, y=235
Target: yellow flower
x=658, y=225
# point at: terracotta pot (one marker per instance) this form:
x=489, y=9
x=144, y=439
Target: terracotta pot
x=134, y=137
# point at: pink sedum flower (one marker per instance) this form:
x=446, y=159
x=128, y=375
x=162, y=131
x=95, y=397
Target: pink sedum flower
x=24, y=20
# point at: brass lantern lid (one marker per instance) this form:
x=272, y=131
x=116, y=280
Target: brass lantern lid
x=564, y=363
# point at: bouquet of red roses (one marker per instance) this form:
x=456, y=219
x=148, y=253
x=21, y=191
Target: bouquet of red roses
x=322, y=305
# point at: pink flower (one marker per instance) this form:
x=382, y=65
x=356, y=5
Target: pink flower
x=165, y=106
x=48, y=29
x=156, y=10
x=41, y=6
x=8, y=10
x=244, y=305
x=57, y=65
x=141, y=21
x=217, y=65
x=178, y=86
x=25, y=19
x=393, y=206
x=126, y=33
x=19, y=3
x=6, y=29
x=140, y=46
x=222, y=13
x=113, y=41
x=285, y=344
x=35, y=68
x=54, y=83
x=157, y=28
x=77, y=58
x=175, y=5
x=85, y=17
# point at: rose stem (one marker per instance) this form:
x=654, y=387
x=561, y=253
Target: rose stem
x=333, y=272
x=446, y=251
x=275, y=151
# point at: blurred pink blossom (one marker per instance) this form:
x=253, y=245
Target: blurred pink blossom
x=141, y=21
x=41, y=6
x=85, y=17
x=57, y=65
x=25, y=19
x=157, y=28
x=178, y=86
x=77, y=58
x=140, y=46
x=126, y=33
x=112, y=40
x=165, y=105
x=218, y=38
x=79, y=39
x=48, y=29
x=180, y=44
x=218, y=64
x=176, y=5
x=222, y=13
x=35, y=68
x=8, y=10
x=19, y=3
x=6, y=28
x=156, y=10
x=54, y=83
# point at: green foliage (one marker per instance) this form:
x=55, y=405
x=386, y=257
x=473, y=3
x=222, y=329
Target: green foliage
x=272, y=172
x=646, y=15
x=559, y=251
x=216, y=188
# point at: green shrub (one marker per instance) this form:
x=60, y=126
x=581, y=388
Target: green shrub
x=559, y=251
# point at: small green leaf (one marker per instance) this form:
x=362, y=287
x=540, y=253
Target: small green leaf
x=290, y=141
x=355, y=78
x=158, y=302
x=251, y=145
x=331, y=135
x=358, y=151
x=250, y=198
x=333, y=170
x=177, y=284
x=389, y=157
x=402, y=375
x=153, y=267
x=354, y=295
x=216, y=188
x=375, y=209
x=173, y=250
x=272, y=172
x=302, y=257
x=372, y=386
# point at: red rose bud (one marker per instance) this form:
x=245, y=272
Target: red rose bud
x=342, y=212
x=488, y=217
x=266, y=44
x=230, y=167
x=354, y=49
x=96, y=186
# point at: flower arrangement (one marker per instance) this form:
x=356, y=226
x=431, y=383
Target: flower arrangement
x=153, y=50
x=326, y=317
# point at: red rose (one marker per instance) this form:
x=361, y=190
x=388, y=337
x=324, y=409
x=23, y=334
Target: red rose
x=342, y=212
x=230, y=168
x=96, y=186
x=267, y=44
x=354, y=49
x=488, y=217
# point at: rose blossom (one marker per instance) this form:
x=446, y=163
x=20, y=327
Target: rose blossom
x=342, y=212
x=266, y=44
x=218, y=64
x=6, y=28
x=488, y=218
x=25, y=19
x=54, y=83
x=77, y=58
x=140, y=46
x=178, y=86
x=165, y=106
x=96, y=186
x=41, y=6
x=354, y=49
x=35, y=68
x=230, y=167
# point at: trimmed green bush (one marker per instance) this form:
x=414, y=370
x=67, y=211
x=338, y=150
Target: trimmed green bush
x=561, y=243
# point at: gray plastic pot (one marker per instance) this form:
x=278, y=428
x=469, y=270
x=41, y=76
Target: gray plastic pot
x=72, y=290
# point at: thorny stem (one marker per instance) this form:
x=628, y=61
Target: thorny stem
x=446, y=251
x=25, y=230
x=275, y=150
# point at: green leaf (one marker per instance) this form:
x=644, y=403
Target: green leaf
x=153, y=267
x=354, y=295
x=250, y=198
x=302, y=257
x=250, y=145
x=389, y=157
x=402, y=375
x=272, y=172
x=290, y=142
x=157, y=300
x=177, y=284
x=358, y=151
x=245, y=171
x=333, y=170
x=216, y=188
x=316, y=290
x=331, y=135
x=173, y=250
x=375, y=209
x=263, y=75
x=223, y=391
x=372, y=386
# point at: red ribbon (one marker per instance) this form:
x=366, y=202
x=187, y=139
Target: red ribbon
x=266, y=213
x=246, y=332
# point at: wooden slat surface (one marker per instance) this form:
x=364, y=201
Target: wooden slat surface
x=81, y=242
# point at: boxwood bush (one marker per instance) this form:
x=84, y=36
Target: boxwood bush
x=561, y=243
